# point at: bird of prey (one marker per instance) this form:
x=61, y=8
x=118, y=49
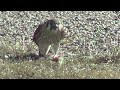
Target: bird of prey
x=47, y=35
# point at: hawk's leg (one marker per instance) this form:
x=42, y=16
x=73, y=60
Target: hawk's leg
x=56, y=48
x=40, y=54
x=43, y=50
x=48, y=49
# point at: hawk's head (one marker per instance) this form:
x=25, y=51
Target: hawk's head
x=54, y=24
x=51, y=27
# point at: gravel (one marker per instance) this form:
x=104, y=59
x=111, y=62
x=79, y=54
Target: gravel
x=88, y=32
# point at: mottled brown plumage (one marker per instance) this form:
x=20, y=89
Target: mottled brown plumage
x=48, y=34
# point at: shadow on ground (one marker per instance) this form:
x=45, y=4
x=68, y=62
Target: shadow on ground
x=27, y=56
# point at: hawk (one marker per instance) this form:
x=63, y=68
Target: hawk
x=47, y=35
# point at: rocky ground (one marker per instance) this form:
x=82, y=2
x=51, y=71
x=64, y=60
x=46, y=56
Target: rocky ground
x=89, y=32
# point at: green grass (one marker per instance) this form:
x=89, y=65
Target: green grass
x=46, y=69
x=21, y=66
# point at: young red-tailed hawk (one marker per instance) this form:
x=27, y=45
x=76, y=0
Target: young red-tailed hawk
x=48, y=34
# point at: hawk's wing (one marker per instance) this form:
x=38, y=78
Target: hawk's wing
x=37, y=33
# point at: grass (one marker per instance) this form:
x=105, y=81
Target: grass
x=20, y=62
x=19, y=67
x=46, y=69
x=72, y=68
